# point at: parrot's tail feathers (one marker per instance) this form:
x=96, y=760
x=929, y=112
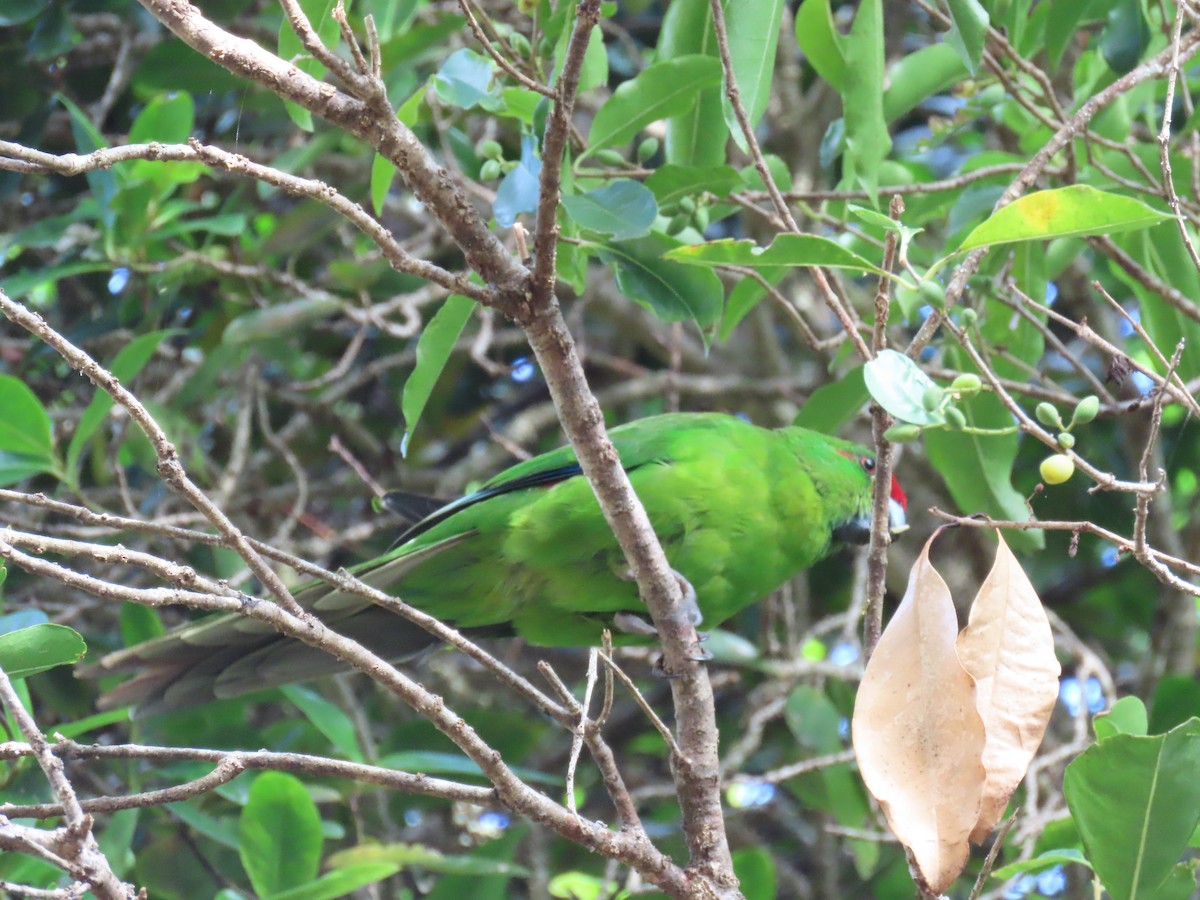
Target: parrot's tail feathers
x=383, y=575
x=411, y=507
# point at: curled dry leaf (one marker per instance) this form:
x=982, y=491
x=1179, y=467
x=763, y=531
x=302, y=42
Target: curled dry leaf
x=1008, y=648
x=917, y=734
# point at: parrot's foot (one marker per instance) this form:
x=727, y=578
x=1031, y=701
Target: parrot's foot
x=629, y=623
x=689, y=608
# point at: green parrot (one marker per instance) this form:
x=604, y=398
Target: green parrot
x=739, y=510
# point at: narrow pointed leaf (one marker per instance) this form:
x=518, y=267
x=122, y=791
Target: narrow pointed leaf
x=433, y=349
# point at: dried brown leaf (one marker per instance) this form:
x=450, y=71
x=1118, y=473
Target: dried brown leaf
x=1008, y=649
x=917, y=735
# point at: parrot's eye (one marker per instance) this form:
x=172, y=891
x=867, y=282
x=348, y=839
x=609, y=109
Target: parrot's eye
x=868, y=464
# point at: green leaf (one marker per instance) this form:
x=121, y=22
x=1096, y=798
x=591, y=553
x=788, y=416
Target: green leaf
x=278, y=318
x=320, y=17
x=167, y=119
x=25, y=428
x=328, y=719
x=24, y=283
x=648, y=275
x=1176, y=699
x=419, y=856
x=671, y=183
x=899, y=386
x=465, y=79
x=755, y=870
x=339, y=882
x=128, y=362
x=823, y=45
x=920, y=75
x=432, y=762
x=623, y=208
x=1126, y=36
x=658, y=91
x=1077, y=210
x=978, y=469
x=785, y=250
x=16, y=467
x=1041, y=861
x=433, y=349
x=746, y=295
x=696, y=136
x=280, y=834
x=753, y=31
x=17, y=12
x=27, y=651
x=1136, y=802
x=103, y=183
x=867, y=139
x=1127, y=716
x=834, y=404
x=968, y=31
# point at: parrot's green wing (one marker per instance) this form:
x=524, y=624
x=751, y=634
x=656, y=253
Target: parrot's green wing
x=739, y=509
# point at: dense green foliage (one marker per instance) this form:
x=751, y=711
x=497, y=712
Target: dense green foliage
x=292, y=362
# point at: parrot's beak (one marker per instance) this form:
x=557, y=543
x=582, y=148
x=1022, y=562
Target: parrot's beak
x=897, y=523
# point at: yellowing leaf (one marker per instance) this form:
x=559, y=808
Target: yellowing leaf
x=917, y=735
x=1077, y=210
x=1007, y=647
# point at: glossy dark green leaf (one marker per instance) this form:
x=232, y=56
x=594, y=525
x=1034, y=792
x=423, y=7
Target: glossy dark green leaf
x=672, y=291
x=280, y=834
x=433, y=349
x=1136, y=802
x=622, y=209
x=660, y=90
x=34, y=649
x=1126, y=37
